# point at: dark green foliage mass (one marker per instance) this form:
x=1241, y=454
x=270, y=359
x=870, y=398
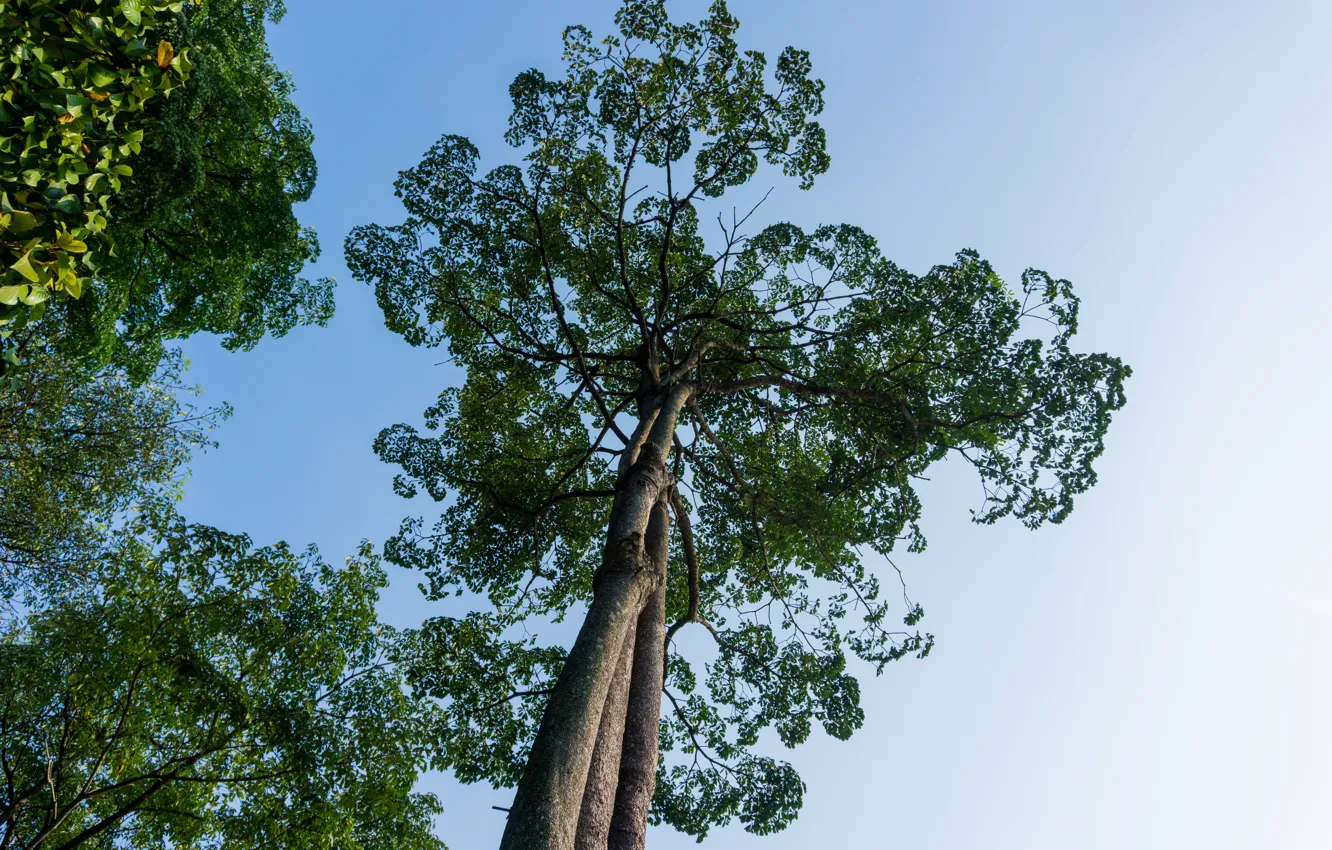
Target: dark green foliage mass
x=206, y=232
x=199, y=233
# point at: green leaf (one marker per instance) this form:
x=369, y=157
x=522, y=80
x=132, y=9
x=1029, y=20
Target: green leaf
x=74, y=286
x=182, y=64
x=69, y=243
x=21, y=221
x=24, y=267
x=12, y=294
x=101, y=76
x=35, y=295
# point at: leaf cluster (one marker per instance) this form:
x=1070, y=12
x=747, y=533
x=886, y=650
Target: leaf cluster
x=79, y=76
x=199, y=234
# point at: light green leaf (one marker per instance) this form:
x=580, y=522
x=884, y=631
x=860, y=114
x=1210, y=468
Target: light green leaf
x=69, y=243
x=21, y=221
x=24, y=267
x=101, y=76
x=182, y=64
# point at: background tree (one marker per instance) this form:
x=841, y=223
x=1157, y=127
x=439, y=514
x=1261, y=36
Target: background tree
x=204, y=692
x=773, y=394
x=198, y=234
x=201, y=235
x=79, y=447
x=208, y=232
x=168, y=684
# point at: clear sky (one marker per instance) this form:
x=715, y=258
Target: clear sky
x=1155, y=673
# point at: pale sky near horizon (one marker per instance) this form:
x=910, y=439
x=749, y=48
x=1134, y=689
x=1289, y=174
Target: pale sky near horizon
x=1152, y=674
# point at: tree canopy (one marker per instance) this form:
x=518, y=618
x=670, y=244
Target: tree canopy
x=80, y=446
x=194, y=224
x=169, y=684
x=632, y=364
x=205, y=692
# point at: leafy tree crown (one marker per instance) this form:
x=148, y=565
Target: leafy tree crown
x=151, y=159
x=201, y=691
x=581, y=292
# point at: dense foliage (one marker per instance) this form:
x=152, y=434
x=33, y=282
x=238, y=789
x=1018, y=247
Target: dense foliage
x=80, y=76
x=205, y=155
x=779, y=389
x=206, y=693
x=207, y=232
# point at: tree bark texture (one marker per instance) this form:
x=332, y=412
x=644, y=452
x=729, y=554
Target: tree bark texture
x=594, y=821
x=642, y=726
x=549, y=798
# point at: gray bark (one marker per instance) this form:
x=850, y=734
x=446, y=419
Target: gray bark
x=549, y=799
x=642, y=727
x=546, y=807
x=599, y=795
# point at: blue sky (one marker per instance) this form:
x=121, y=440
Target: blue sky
x=1152, y=674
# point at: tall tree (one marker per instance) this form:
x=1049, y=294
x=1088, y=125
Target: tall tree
x=193, y=227
x=203, y=692
x=672, y=428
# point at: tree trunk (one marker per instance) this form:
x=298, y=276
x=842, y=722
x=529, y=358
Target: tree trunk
x=549, y=799
x=545, y=809
x=642, y=727
x=594, y=820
